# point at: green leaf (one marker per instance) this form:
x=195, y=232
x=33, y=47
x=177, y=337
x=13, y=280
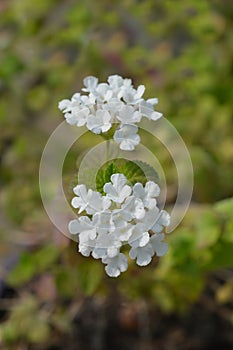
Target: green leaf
x=135, y=171
x=111, y=169
x=150, y=173
x=104, y=175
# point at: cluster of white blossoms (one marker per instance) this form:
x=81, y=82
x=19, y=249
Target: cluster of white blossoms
x=105, y=104
x=124, y=215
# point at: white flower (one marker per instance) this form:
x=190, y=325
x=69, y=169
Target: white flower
x=113, y=106
x=139, y=237
x=101, y=122
x=127, y=137
x=90, y=200
x=77, y=116
x=132, y=96
x=159, y=247
x=155, y=219
x=83, y=226
x=115, y=81
x=162, y=220
x=143, y=254
x=107, y=245
x=119, y=216
x=124, y=231
x=128, y=115
x=147, y=194
x=104, y=222
x=71, y=118
x=115, y=265
x=134, y=208
x=65, y=105
x=86, y=245
x=103, y=93
x=90, y=84
x=117, y=191
x=147, y=110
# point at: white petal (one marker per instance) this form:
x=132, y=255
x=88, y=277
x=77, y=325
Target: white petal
x=64, y=104
x=74, y=227
x=143, y=259
x=80, y=190
x=144, y=239
x=139, y=212
x=112, y=252
x=140, y=91
x=159, y=247
x=118, y=180
x=84, y=250
x=139, y=236
x=143, y=255
x=77, y=202
x=71, y=118
x=152, y=189
x=138, y=190
x=115, y=265
x=164, y=218
x=153, y=101
x=115, y=80
x=112, y=271
x=156, y=116
x=90, y=83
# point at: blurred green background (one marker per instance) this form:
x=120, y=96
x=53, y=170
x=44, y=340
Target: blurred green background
x=53, y=298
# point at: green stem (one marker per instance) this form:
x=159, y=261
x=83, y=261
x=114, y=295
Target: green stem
x=107, y=150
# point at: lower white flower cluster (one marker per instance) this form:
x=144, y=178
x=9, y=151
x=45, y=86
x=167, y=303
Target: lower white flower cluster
x=125, y=215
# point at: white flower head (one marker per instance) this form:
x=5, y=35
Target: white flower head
x=104, y=104
x=125, y=215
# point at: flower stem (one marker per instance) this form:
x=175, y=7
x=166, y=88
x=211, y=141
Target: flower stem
x=107, y=150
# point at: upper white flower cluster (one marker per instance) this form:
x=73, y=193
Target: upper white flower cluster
x=116, y=101
x=124, y=215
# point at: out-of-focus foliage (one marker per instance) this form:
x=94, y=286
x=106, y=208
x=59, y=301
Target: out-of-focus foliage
x=182, y=52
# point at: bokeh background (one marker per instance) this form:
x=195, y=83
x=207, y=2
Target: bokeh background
x=51, y=297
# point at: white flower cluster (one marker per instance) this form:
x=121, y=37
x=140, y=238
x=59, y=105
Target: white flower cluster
x=124, y=215
x=107, y=103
